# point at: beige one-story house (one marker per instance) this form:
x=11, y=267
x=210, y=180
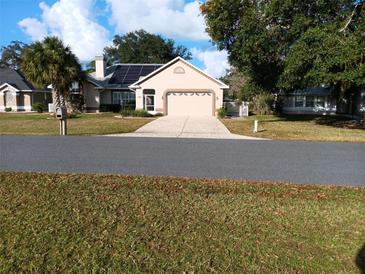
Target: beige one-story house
x=175, y=88
x=17, y=94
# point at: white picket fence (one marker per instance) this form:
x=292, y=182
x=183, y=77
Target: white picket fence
x=237, y=110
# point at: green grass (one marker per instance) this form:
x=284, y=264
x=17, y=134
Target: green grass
x=307, y=128
x=83, y=124
x=109, y=223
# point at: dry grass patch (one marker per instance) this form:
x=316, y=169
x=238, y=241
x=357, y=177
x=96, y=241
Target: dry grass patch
x=99, y=223
x=307, y=128
x=83, y=124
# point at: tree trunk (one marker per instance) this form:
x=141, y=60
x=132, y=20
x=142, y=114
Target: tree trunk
x=58, y=100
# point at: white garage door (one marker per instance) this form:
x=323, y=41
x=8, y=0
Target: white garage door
x=189, y=103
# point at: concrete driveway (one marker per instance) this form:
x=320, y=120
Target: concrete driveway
x=185, y=127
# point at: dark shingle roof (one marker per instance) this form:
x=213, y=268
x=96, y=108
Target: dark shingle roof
x=319, y=91
x=123, y=75
x=14, y=78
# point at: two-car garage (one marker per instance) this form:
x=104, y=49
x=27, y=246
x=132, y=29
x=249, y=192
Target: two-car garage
x=190, y=102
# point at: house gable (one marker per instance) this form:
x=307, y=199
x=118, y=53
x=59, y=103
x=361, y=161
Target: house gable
x=15, y=79
x=179, y=67
x=8, y=87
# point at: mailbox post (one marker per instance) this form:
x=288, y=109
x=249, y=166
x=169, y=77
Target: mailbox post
x=256, y=126
x=61, y=114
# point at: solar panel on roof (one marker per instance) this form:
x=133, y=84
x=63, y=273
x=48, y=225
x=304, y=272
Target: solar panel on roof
x=122, y=69
x=128, y=74
x=146, y=70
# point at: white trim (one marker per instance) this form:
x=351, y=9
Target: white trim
x=136, y=84
x=8, y=85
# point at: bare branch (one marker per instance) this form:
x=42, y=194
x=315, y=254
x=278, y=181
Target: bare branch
x=349, y=21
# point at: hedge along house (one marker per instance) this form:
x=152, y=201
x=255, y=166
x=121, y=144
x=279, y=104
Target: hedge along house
x=18, y=94
x=176, y=88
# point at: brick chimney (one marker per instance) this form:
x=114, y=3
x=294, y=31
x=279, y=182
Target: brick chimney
x=99, y=67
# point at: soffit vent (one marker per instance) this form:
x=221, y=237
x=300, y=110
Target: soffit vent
x=179, y=70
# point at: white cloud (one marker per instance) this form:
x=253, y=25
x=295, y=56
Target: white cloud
x=172, y=18
x=74, y=22
x=35, y=29
x=215, y=62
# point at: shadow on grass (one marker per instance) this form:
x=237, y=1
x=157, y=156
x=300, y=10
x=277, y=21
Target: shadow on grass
x=360, y=259
x=298, y=118
x=332, y=121
x=340, y=122
x=290, y=118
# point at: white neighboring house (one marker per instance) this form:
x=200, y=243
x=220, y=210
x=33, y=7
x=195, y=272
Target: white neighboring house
x=18, y=94
x=175, y=88
x=322, y=101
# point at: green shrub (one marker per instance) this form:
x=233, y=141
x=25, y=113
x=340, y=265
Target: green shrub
x=263, y=103
x=127, y=112
x=136, y=113
x=141, y=113
x=38, y=107
x=71, y=115
x=76, y=102
x=8, y=109
x=222, y=113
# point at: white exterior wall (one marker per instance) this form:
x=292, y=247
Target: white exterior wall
x=166, y=80
x=21, y=101
x=290, y=108
x=27, y=101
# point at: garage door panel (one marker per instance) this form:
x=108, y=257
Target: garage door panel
x=190, y=103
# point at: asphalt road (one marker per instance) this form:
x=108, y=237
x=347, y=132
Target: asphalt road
x=299, y=162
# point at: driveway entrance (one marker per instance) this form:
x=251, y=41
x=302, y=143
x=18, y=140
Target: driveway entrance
x=175, y=126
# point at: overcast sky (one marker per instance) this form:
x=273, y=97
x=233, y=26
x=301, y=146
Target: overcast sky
x=89, y=25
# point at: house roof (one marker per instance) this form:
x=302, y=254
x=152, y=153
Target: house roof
x=318, y=91
x=120, y=76
x=15, y=79
x=135, y=85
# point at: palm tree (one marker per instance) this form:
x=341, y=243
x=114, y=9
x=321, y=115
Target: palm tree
x=50, y=62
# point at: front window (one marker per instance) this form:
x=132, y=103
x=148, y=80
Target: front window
x=299, y=101
x=309, y=101
x=320, y=102
x=8, y=98
x=117, y=98
x=123, y=97
x=149, y=102
x=75, y=88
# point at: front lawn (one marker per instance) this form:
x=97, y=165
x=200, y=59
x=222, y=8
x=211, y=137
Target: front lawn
x=110, y=223
x=83, y=124
x=308, y=128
